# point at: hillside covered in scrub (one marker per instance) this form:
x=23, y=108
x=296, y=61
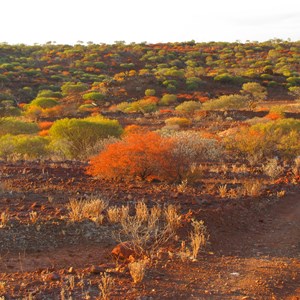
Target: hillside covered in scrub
x=150, y=171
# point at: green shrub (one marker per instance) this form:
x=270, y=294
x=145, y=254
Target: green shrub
x=44, y=102
x=14, y=126
x=86, y=107
x=144, y=105
x=227, y=102
x=23, y=147
x=227, y=78
x=176, y=121
x=188, y=106
x=168, y=99
x=49, y=94
x=274, y=138
x=266, y=76
x=293, y=80
x=73, y=137
x=295, y=91
x=150, y=92
x=96, y=96
x=31, y=147
x=71, y=87
x=254, y=90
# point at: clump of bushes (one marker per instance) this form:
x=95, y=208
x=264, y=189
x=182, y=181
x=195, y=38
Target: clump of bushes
x=146, y=105
x=274, y=138
x=188, y=106
x=15, y=126
x=168, y=99
x=23, y=147
x=73, y=138
x=233, y=101
x=177, y=121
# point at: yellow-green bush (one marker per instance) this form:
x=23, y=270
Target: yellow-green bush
x=188, y=106
x=23, y=147
x=274, y=138
x=176, y=121
x=14, y=126
x=227, y=102
x=74, y=137
x=168, y=99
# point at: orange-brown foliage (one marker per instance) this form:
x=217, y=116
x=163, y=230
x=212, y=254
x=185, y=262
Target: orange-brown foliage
x=273, y=116
x=45, y=125
x=44, y=132
x=138, y=155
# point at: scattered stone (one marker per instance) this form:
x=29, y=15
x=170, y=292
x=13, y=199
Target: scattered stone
x=123, y=251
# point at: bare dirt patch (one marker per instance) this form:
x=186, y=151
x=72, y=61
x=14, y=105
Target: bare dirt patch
x=254, y=251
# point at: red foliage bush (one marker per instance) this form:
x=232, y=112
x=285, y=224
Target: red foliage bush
x=139, y=155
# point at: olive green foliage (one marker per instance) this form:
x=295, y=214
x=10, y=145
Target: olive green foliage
x=295, y=92
x=44, y=102
x=188, y=106
x=193, y=83
x=176, y=121
x=49, y=94
x=230, y=79
x=150, y=92
x=144, y=105
x=8, y=109
x=86, y=107
x=72, y=138
x=227, y=102
x=23, y=147
x=14, y=126
x=96, y=96
x=254, y=90
x=71, y=87
x=293, y=81
x=168, y=99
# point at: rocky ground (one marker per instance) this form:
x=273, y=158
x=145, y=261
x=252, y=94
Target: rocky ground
x=254, y=250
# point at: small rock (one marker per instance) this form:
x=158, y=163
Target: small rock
x=71, y=270
x=123, y=251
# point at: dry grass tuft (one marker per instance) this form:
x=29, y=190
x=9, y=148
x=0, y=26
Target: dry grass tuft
x=199, y=237
x=4, y=219
x=137, y=270
x=172, y=217
x=87, y=209
x=106, y=285
x=33, y=216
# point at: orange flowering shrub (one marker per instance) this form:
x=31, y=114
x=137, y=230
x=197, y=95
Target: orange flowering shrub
x=44, y=132
x=273, y=116
x=139, y=155
x=45, y=125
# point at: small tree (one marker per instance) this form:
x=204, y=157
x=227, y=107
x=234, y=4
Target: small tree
x=255, y=92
